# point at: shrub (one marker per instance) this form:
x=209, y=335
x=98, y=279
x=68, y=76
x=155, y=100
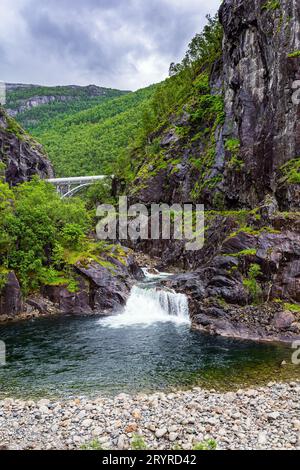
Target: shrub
x=3, y=277
x=251, y=283
x=210, y=444
x=294, y=54
x=72, y=236
x=271, y=5
x=138, y=443
x=93, y=445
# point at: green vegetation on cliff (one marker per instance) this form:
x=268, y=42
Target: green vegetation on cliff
x=291, y=171
x=271, y=5
x=42, y=236
x=294, y=55
x=83, y=138
x=187, y=79
x=185, y=106
x=89, y=142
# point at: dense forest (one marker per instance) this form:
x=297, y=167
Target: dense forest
x=89, y=142
x=83, y=135
x=42, y=237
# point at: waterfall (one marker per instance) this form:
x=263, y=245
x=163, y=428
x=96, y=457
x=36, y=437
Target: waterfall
x=150, y=276
x=172, y=303
x=151, y=305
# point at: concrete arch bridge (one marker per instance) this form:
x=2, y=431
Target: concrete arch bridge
x=68, y=187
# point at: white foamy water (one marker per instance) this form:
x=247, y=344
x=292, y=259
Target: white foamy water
x=157, y=276
x=146, y=306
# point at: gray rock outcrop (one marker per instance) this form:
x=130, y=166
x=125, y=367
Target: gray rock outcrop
x=22, y=156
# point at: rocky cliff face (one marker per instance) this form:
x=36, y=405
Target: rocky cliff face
x=21, y=155
x=243, y=163
x=101, y=290
x=235, y=159
x=261, y=73
x=11, y=297
x=35, y=101
x=245, y=282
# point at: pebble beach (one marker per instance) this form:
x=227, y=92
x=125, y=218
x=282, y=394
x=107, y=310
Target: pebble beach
x=262, y=418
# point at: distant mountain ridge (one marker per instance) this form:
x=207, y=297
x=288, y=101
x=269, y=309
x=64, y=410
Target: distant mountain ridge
x=90, y=142
x=31, y=104
x=82, y=128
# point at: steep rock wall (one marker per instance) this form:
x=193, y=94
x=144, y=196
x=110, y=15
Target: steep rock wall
x=251, y=154
x=261, y=101
x=21, y=155
x=245, y=165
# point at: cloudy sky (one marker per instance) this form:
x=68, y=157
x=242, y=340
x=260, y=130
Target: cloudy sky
x=124, y=44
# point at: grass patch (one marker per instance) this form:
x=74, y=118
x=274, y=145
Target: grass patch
x=210, y=444
x=249, y=252
x=291, y=171
x=271, y=5
x=294, y=54
x=93, y=251
x=295, y=308
x=93, y=445
x=138, y=443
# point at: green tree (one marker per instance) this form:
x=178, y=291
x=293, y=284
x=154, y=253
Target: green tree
x=33, y=221
x=72, y=236
x=252, y=284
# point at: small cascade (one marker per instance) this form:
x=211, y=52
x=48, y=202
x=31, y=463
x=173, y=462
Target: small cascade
x=151, y=305
x=172, y=303
x=155, y=275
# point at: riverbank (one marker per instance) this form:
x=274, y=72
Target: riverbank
x=262, y=418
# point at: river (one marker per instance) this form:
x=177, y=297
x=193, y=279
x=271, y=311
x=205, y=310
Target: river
x=149, y=346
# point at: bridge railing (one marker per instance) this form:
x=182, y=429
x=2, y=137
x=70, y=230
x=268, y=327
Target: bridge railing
x=77, y=179
x=67, y=187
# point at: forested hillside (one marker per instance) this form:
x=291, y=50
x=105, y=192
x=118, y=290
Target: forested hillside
x=33, y=105
x=83, y=129
x=90, y=141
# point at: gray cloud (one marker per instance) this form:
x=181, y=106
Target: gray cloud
x=118, y=43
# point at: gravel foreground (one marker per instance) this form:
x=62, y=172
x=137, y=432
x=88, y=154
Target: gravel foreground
x=264, y=418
